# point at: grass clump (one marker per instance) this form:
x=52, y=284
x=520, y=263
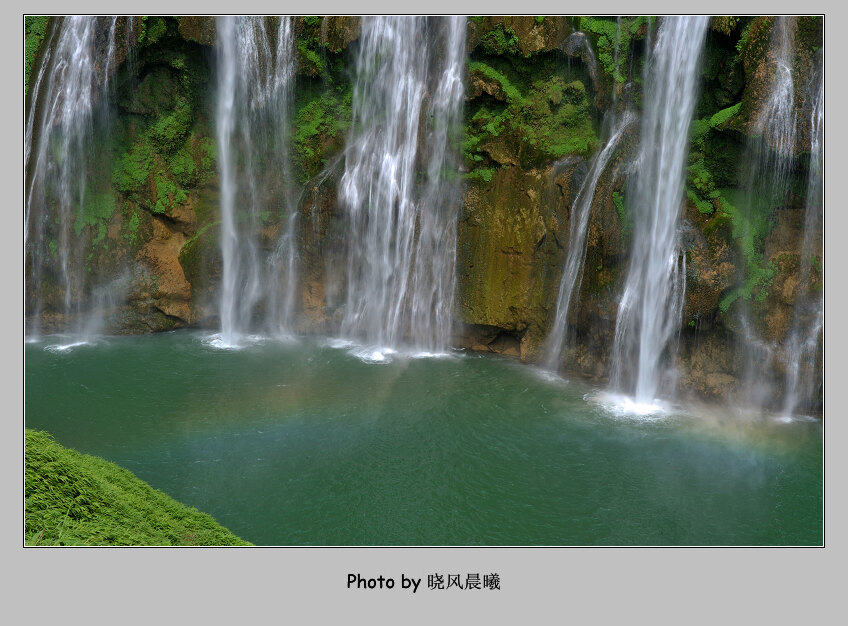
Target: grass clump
x=79, y=499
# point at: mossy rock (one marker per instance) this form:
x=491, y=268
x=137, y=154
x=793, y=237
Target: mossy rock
x=526, y=114
x=509, y=255
x=516, y=35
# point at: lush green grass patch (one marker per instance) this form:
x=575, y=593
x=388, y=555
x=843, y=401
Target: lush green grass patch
x=79, y=499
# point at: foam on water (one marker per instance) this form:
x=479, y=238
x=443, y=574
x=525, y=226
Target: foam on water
x=622, y=406
x=218, y=341
x=66, y=347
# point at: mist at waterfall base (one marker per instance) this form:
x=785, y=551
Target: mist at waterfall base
x=305, y=444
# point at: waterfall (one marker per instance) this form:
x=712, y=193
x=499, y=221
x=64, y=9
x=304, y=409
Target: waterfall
x=650, y=307
x=804, y=339
x=400, y=188
x=66, y=124
x=771, y=163
x=775, y=122
x=255, y=74
x=572, y=273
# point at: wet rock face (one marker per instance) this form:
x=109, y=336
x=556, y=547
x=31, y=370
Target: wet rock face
x=760, y=51
x=340, y=31
x=199, y=29
x=510, y=252
x=525, y=35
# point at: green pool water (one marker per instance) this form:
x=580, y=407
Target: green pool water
x=303, y=443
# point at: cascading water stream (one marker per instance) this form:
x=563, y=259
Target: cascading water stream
x=407, y=101
x=256, y=69
x=572, y=273
x=650, y=307
x=69, y=111
x=776, y=123
x=805, y=337
x=771, y=163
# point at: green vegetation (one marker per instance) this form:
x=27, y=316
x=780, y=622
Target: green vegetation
x=35, y=28
x=612, y=37
x=79, y=499
x=152, y=29
x=161, y=146
x=712, y=158
x=500, y=40
x=131, y=229
x=530, y=110
x=749, y=229
x=310, y=49
x=721, y=118
x=725, y=23
x=623, y=215
x=323, y=112
x=96, y=211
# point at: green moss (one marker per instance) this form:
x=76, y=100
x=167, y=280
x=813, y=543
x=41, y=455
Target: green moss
x=168, y=194
x=485, y=174
x=311, y=51
x=721, y=118
x=35, y=28
x=161, y=149
x=189, y=256
x=534, y=113
x=132, y=169
x=130, y=233
x=623, y=215
x=612, y=38
x=184, y=168
x=95, y=211
x=724, y=23
x=310, y=58
x=749, y=230
x=321, y=118
x=540, y=19
x=703, y=206
x=701, y=178
x=152, y=29
x=510, y=91
x=169, y=132
x=500, y=40
x=79, y=499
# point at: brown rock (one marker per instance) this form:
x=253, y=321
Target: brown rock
x=198, y=28
x=171, y=291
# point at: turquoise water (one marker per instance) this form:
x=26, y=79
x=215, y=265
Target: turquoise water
x=303, y=443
